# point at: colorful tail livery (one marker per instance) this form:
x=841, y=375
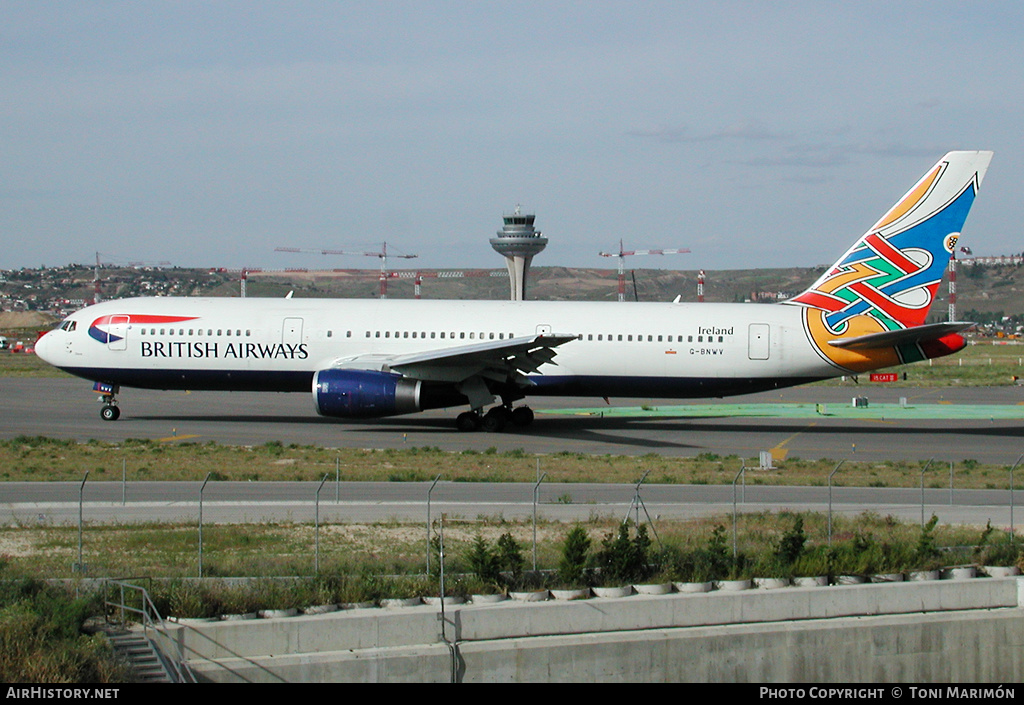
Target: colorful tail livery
x=868, y=310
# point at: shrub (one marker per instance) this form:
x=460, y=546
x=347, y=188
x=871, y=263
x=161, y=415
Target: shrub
x=791, y=545
x=483, y=562
x=926, y=553
x=572, y=568
x=623, y=559
x=41, y=639
x=510, y=558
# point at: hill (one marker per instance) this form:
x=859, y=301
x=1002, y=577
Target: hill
x=987, y=293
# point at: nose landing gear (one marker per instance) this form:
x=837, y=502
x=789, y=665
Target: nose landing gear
x=110, y=410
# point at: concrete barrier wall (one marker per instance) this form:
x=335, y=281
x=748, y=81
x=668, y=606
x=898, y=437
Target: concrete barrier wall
x=927, y=630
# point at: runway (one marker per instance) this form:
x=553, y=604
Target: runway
x=66, y=408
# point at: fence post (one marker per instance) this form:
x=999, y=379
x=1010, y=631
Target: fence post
x=834, y=471
x=201, y=488
x=536, y=490
x=429, y=491
x=735, y=541
x=316, y=520
x=922, y=489
x=80, y=568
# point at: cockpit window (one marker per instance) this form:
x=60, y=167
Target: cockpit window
x=68, y=326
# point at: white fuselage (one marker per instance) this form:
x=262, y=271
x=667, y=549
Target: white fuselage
x=665, y=350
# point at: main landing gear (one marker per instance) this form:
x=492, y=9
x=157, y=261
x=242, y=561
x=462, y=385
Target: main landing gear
x=495, y=419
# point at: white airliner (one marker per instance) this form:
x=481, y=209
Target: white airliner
x=375, y=358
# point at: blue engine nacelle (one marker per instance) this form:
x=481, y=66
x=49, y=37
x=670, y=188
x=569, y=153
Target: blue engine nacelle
x=360, y=394
x=366, y=394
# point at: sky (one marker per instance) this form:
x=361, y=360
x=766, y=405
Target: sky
x=755, y=134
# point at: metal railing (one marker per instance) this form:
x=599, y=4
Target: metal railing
x=134, y=600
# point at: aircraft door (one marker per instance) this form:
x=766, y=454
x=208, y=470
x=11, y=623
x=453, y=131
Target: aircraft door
x=117, y=333
x=291, y=331
x=759, y=341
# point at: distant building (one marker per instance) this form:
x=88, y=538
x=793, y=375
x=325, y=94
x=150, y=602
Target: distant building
x=518, y=242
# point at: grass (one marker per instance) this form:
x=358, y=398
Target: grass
x=41, y=638
x=42, y=459
x=390, y=549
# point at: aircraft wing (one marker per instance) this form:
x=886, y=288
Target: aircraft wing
x=499, y=360
x=903, y=336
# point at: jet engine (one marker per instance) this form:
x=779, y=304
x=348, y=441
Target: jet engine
x=365, y=394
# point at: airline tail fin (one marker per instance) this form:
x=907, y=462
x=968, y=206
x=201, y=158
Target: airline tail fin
x=892, y=273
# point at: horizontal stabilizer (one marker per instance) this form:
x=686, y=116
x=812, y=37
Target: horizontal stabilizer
x=903, y=336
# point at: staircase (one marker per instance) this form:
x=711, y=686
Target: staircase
x=146, y=664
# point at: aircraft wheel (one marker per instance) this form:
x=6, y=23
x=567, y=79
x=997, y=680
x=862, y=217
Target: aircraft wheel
x=467, y=421
x=110, y=412
x=522, y=416
x=495, y=419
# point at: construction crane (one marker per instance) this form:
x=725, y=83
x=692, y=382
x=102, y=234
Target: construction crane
x=623, y=254
x=382, y=255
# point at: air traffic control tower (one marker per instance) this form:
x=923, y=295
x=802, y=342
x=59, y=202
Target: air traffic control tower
x=518, y=242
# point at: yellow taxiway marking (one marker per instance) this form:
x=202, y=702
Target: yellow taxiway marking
x=171, y=439
x=779, y=452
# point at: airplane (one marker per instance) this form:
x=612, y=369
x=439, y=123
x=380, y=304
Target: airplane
x=373, y=358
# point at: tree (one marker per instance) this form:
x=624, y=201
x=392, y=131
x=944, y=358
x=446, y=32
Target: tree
x=575, y=552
